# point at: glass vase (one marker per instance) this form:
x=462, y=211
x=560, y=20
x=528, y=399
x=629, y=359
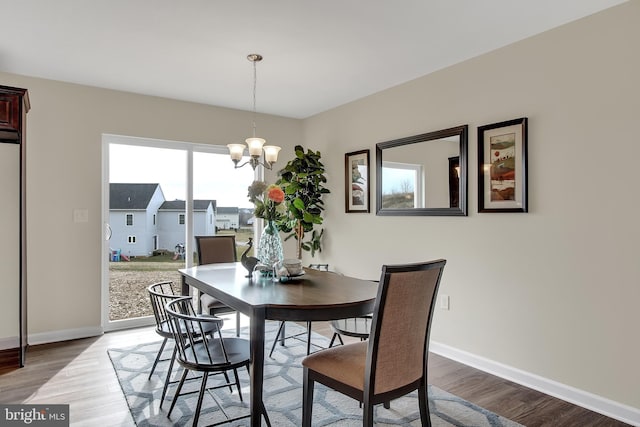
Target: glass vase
x=270, y=245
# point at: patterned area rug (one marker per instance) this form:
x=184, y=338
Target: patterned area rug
x=283, y=394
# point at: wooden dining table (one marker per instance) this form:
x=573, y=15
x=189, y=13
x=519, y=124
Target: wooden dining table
x=314, y=296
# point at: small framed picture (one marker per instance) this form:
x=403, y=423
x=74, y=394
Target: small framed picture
x=356, y=181
x=502, y=166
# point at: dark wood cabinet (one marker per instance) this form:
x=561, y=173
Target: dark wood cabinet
x=14, y=105
x=10, y=117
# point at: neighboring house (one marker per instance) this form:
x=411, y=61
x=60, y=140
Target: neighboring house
x=142, y=221
x=133, y=210
x=171, y=221
x=246, y=217
x=227, y=218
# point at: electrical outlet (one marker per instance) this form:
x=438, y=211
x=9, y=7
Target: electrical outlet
x=444, y=302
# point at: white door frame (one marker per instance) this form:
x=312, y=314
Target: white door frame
x=190, y=148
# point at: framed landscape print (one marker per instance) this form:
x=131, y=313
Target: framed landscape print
x=356, y=179
x=502, y=166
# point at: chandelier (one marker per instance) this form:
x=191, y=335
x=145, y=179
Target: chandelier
x=255, y=144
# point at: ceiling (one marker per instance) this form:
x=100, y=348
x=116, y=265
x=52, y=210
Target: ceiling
x=317, y=54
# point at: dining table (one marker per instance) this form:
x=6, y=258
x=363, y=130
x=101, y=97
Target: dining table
x=313, y=296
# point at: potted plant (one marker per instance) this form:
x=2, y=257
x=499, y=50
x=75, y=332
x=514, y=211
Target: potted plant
x=302, y=180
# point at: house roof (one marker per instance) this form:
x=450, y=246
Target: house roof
x=179, y=205
x=131, y=196
x=227, y=210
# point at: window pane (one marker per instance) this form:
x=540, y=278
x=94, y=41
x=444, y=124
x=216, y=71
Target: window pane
x=403, y=186
x=220, y=198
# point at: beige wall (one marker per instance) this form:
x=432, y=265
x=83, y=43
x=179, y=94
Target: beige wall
x=553, y=292
x=64, y=140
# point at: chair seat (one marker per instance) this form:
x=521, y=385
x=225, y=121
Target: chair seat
x=237, y=353
x=345, y=363
x=164, y=330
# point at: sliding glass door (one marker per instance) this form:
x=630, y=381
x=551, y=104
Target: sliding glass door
x=157, y=195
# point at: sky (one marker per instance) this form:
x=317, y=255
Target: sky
x=397, y=180
x=214, y=175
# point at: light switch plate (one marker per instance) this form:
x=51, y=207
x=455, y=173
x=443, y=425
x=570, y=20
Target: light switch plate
x=81, y=215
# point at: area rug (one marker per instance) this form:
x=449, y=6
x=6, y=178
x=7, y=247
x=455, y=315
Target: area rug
x=282, y=394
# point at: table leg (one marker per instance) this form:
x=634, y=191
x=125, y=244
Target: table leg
x=185, y=287
x=257, y=365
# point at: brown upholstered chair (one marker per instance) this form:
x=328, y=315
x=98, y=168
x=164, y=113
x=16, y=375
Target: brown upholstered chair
x=393, y=362
x=214, y=250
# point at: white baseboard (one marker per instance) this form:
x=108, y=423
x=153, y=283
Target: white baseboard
x=52, y=336
x=602, y=405
x=64, y=335
x=7, y=343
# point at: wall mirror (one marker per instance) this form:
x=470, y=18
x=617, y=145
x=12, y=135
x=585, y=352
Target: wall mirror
x=423, y=174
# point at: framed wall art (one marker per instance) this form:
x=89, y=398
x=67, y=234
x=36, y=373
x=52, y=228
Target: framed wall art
x=502, y=166
x=356, y=181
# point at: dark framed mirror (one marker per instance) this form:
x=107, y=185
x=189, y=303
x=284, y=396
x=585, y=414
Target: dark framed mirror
x=423, y=174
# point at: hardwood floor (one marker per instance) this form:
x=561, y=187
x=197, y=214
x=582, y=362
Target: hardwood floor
x=79, y=373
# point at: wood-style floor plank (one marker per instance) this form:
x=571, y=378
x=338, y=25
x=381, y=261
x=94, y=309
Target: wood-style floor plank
x=79, y=373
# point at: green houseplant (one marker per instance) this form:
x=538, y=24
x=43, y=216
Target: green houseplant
x=302, y=180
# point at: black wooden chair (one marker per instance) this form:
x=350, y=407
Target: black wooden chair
x=204, y=352
x=393, y=362
x=357, y=327
x=213, y=250
x=280, y=336
x=161, y=294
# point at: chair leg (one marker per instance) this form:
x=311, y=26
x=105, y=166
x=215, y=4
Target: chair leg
x=264, y=409
x=283, y=335
x=175, y=396
x=333, y=338
x=237, y=324
x=235, y=373
x=308, y=338
x=153, y=368
x=203, y=387
x=423, y=402
x=226, y=378
x=168, y=378
x=277, y=338
x=266, y=416
x=307, y=398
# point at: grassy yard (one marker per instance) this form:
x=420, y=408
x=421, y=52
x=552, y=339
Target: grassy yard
x=128, y=280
